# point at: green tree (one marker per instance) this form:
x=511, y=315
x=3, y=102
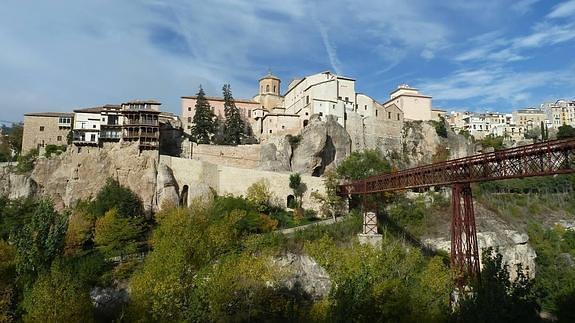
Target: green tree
x=234, y=128
x=117, y=236
x=298, y=188
x=496, y=142
x=440, y=127
x=40, y=240
x=7, y=279
x=259, y=194
x=331, y=203
x=15, y=138
x=115, y=196
x=362, y=164
x=204, y=120
x=534, y=133
x=565, y=131
x=507, y=301
x=58, y=296
x=80, y=232
x=26, y=161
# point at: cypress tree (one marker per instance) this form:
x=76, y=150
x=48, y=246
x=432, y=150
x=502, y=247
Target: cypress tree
x=204, y=119
x=234, y=128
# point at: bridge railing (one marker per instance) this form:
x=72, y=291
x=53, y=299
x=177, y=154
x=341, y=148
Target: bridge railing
x=540, y=159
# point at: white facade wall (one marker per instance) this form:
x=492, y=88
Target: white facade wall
x=87, y=127
x=365, y=105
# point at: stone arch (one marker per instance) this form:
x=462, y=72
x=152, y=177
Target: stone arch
x=290, y=200
x=184, y=196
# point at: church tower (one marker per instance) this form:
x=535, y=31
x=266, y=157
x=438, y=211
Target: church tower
x=270, y=84
x=269, y=95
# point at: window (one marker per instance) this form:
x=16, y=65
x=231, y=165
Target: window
x=59, y=138
x=389, y=115
x=339, y=97
x=321, y=114
x=93, y=137
x=189, y=108
x=333, y=106
x=270, y=131
x=283, y=127
x=103, y=119
x=376, y=113
x=346, y=99
x=274, y=89
x=41, y=128
x=398, y=116
x=365, y=107
x=307, y=99
x=306, y=114
x=94, y=126
x=189, y=119
x=267, y=88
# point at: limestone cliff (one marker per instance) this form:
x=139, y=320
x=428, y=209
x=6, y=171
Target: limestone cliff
x=80, y=174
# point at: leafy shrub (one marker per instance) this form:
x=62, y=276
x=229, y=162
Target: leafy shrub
x=115, y=235
x=259, y=195
x=26, y=162
x=54, y=149
x=495, y=142
x=115, y=196
x=362, y=164
x=440, y=127
x=566, y=131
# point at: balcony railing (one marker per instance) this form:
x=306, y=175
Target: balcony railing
x=141, y=122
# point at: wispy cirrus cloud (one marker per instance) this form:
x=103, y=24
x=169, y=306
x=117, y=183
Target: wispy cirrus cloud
x=565, y=9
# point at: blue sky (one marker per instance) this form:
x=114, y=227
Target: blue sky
x=469, y=55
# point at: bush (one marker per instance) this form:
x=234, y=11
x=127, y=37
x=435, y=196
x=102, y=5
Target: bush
x=362, y=164
x=54, y=149
x=26, y=162
x=115, y=196
x=117, y=236
x=259, y=195
x=440, y=127
x=496, y=142
x=566, y=131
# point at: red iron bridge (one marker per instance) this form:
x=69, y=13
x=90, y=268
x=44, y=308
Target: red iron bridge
x=540, y=159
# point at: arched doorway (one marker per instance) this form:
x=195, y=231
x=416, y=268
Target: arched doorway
x=305, y=122
x=290, y=201
x=184, y=196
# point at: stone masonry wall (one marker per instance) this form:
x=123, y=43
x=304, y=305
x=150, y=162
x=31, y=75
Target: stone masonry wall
x=244, y=156
x=233, y=180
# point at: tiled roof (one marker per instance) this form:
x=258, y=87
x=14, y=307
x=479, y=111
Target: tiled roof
x=49, y=114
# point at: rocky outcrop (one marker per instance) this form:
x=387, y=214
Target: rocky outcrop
x=16, y=185
x=323, y=143
x=78, y=174
x=303, y=271
x=512, y=245
x=109, y=301
x=167, y=187
x=420, y=145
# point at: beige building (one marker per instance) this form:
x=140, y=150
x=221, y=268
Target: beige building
x=529, y=118
x=560, y=112
x=415, y=106
x=438, y=114
x=322, y=94
x=45, y=128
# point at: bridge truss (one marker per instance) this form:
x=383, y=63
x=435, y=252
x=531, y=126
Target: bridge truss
x=540, y=159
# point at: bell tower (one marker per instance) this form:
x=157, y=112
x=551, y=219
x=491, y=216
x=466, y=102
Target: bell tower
x=270, y=84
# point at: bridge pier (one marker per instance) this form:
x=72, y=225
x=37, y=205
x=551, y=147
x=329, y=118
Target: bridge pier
x=369, y=233
x=464, y=249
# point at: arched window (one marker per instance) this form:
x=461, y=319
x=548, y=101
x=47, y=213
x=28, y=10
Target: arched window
x=267, y=88
x=305, y=122
x=274, y=89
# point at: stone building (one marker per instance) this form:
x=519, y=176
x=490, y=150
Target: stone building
x=560, y=112
x=415, y=106
x=529, y=118
x=45, y=128
x=271, y=113
x=133, y=121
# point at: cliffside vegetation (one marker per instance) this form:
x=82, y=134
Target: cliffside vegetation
x=219, y=261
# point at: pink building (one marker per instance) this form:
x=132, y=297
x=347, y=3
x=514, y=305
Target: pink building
x=246, y=108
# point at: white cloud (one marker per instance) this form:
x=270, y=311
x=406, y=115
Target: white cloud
x=562, y=10
x=494, y=85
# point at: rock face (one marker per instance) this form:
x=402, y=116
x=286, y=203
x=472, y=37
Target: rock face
x=421, y=145
x=108, y=302
x=77, y=175
x=323, y=144
x=306, y=273
x=15, y=185
x=512, y=245
x=167, y=187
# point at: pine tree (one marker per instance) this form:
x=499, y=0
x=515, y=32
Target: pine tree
x=204, y=119
x=234, y=128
